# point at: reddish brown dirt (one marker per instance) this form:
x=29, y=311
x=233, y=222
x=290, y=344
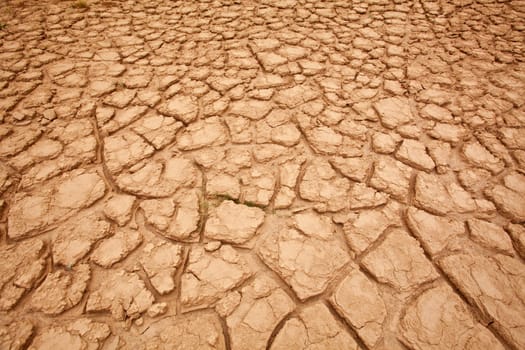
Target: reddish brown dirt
x=273, y=174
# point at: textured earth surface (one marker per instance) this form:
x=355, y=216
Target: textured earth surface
x=273, y=174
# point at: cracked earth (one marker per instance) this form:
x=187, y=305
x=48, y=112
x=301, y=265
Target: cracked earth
x=273, y=174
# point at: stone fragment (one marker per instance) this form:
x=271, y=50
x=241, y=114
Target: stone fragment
x=321, y=184
x=124, y=149
x=393, y=111
x=122, y=293
x=510, y=202
x=400, y=262
x=180, y=107
x=305, y=263
x=119, y=208
x=203, y=133
x=358, y=300
x=392, y=177
x=414, y=154
x=439, y=319
x=494, y=285
x=363, y=229
x=490, y=235
x=209, y=276
x=116, y=248
x=233, y=223
x=61, y=290
x=260, y=309
x=434, y=232
x=160, y=261
x=313, y=328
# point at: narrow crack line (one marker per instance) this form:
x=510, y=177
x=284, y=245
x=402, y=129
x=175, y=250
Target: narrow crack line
x=225, y=333
x=341, y=320
x=474, y=310
x=106, y=174
x=178, y=279
x=276, y=188
x=278, y=329
x=203, y=203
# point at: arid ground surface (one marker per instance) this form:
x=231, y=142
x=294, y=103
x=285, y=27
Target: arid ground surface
x=277, y=174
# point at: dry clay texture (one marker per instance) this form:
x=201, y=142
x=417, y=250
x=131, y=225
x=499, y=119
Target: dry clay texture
x=273, y=174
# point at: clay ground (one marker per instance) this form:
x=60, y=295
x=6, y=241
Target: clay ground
x=273, y=174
